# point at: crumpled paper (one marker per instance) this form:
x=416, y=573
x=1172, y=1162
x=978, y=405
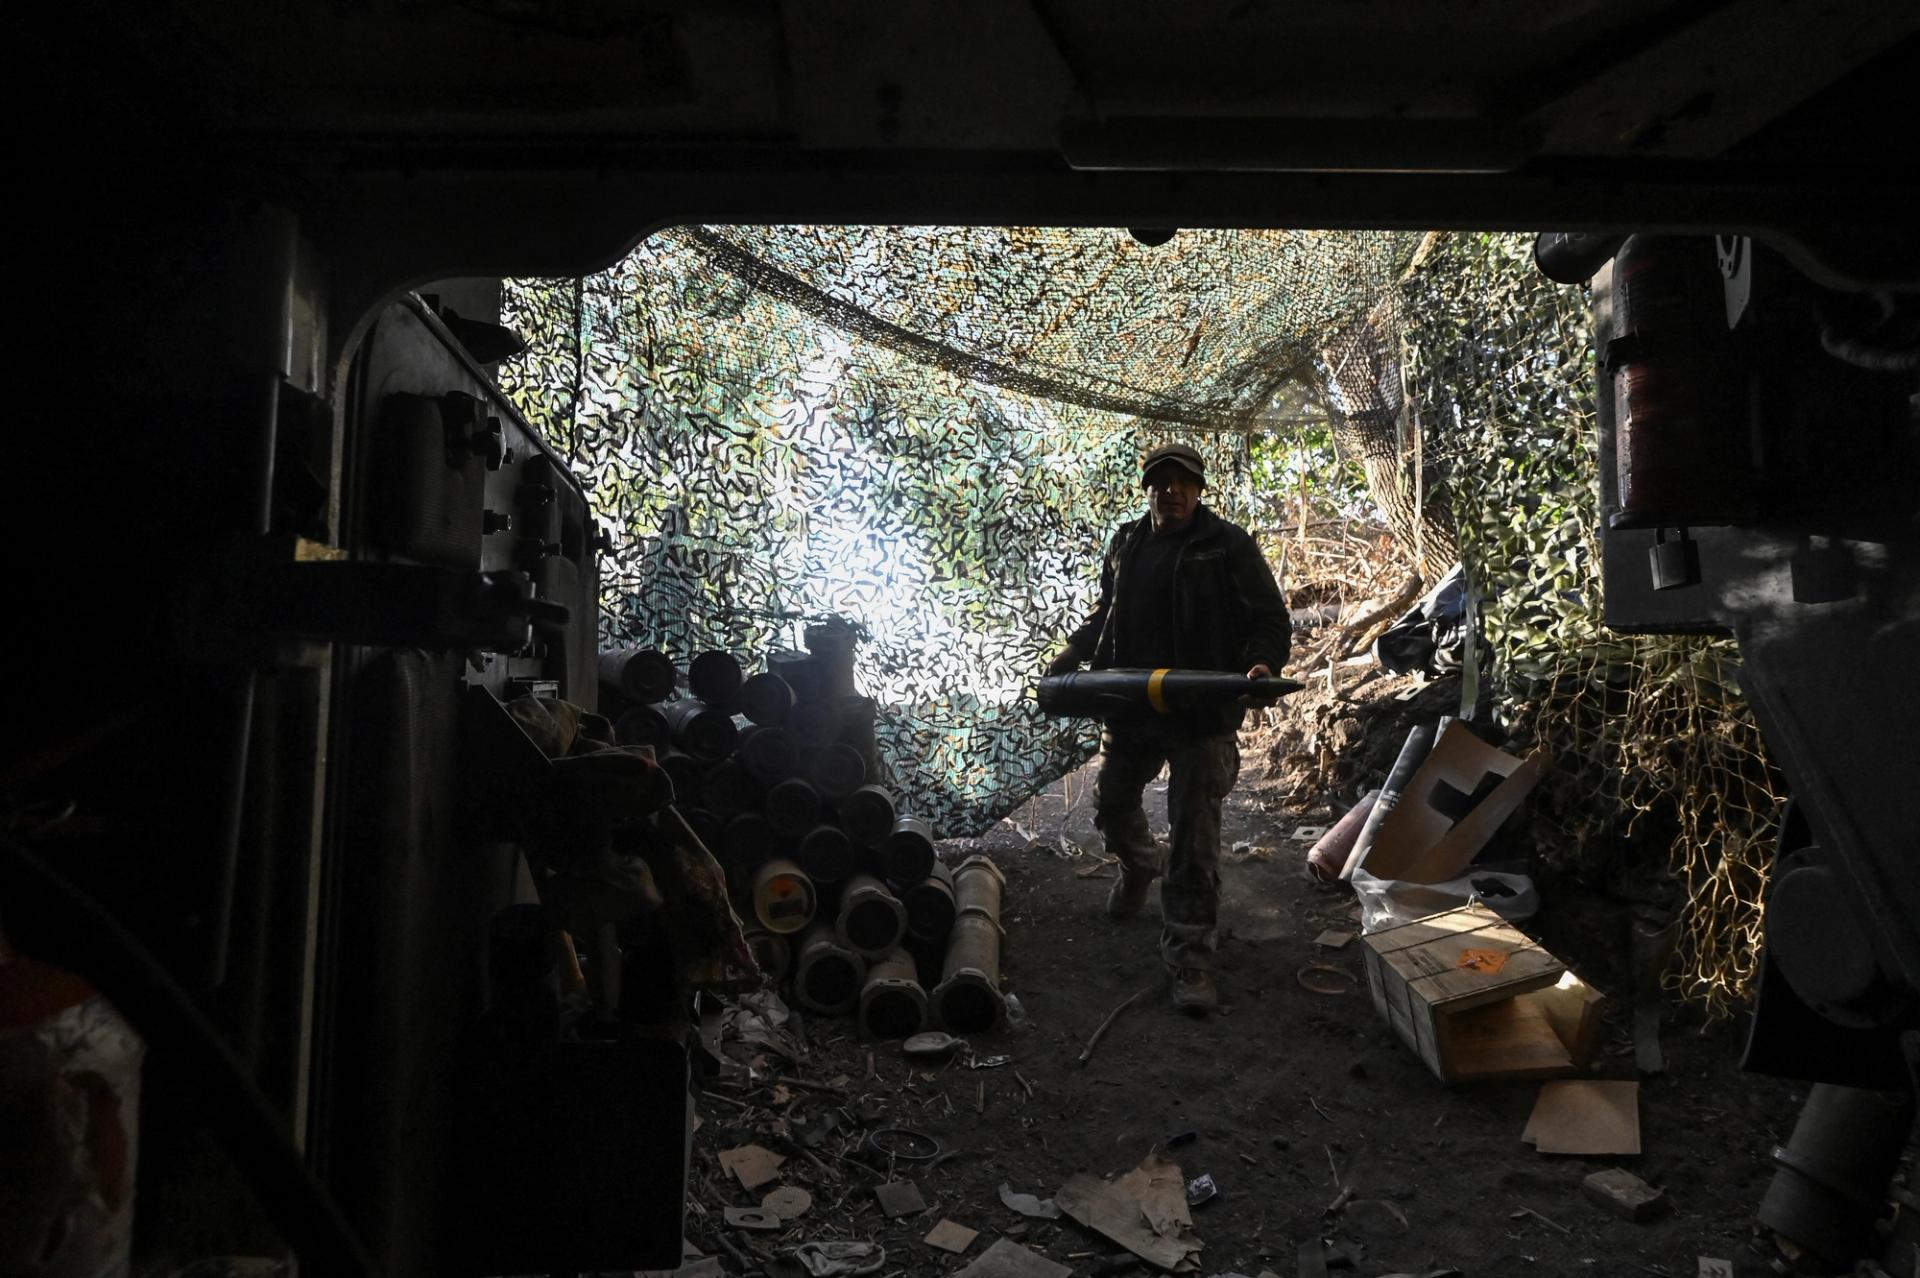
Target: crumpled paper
x=840, y=1259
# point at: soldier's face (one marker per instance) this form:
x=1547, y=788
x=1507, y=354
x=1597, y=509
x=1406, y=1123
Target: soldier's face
x=1172, y=495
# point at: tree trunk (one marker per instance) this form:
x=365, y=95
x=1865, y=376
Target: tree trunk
x=1364, y=394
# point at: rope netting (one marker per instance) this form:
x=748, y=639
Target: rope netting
x=928, y=432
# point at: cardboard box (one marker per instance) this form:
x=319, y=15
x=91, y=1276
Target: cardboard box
x=1478, y=999
x=1455, y=802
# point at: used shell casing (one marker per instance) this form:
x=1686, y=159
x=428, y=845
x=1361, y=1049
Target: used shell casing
x=930, y=906
x=768, y=754
x=892, y=1004
x=705, y=825
x=836, y=771
x=715, y=678
x=796, y=670
x=703, y=731
x=813, y=723
x=832, y=646
x=687, y=773
x=793, y=806
x=978, y=886
x=826, y=974
x=783, y=897
x=968, y=999
x=745, y=841
x=766, y=699
x=872, y=920
x=856, y=730
x=728, y=789
x=639, y=675
x=908, y=853
x=643, y=726
x=867, y=815
x=826, y=853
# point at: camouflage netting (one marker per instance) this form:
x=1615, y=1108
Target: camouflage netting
x=1659, y=765
x=929, y=432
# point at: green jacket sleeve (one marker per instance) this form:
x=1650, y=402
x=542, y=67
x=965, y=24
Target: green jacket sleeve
x=1270, y=629
x=1086, y=639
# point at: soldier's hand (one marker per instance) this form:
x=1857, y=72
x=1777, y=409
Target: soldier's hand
x=1066, y=663
x=1260, y=671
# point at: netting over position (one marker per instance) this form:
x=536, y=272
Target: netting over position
x=929, y=432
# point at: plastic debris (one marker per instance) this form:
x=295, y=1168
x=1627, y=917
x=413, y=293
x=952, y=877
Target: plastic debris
x=933, y=1044
x=1029, y=1205
x=840, y=1259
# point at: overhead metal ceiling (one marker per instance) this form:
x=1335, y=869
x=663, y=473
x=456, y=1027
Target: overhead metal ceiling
x=470, y=136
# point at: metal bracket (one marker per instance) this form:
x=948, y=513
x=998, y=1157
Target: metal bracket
x=250, y=597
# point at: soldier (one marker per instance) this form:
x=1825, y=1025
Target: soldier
x=1180, y=588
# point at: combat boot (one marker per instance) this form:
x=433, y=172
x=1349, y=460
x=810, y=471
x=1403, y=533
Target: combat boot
x=1194, y=990
x=1129, y=892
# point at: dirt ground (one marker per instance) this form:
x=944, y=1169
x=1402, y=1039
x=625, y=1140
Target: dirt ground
x=1292, y=1097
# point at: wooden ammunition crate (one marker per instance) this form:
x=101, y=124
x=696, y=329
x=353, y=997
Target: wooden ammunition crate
x=1477, y=998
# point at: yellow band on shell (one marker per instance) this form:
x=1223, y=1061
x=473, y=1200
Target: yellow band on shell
x=1153, y=691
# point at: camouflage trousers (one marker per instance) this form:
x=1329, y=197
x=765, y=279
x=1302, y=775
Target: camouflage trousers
x=1201, y=769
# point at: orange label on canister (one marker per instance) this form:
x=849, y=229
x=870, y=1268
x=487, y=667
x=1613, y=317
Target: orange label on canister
x=1484, y=961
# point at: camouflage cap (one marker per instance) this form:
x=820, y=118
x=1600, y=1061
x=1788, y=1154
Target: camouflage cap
x=1181, y=455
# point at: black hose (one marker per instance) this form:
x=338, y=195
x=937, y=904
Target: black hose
x=1864, y=354
x=55, y=921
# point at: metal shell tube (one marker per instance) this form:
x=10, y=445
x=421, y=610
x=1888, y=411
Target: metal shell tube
x=745, y=841
x=872, y=920
x=705, y=825
x=1418, y=745
x=715, y=678
x=836, y=771
x=908, y=853
x=832, y=648
x=768, y=753
x=796, y=670
x=930, y=906
x=687, y=773
x=968, y=998
x=640, y=675
x=729, y=789
x=766, y=699
x=826, y=974
x=642, y=725
x=856, y=730
x=783, y=897
x=977, y=887
x=793, y=806
x=1329, y=855
x=826, y=853
x=867, y=815
x=892, y=1004
x=813, y=723
x=703, y=731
